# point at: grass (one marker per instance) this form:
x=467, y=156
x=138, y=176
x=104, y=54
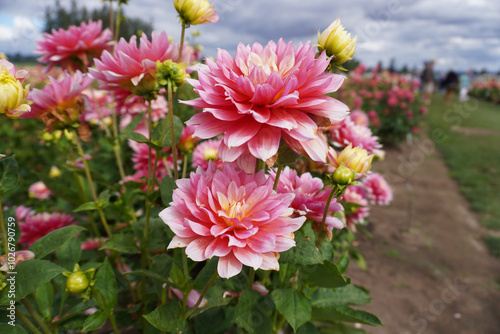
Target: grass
x=470, y=147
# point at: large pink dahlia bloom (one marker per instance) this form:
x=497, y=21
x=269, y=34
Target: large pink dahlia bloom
x=133, y=68
x=377, y=189
x=76, y=47
x=36, y=226
x=310, y=198
x=232, y=215
x=265, y=94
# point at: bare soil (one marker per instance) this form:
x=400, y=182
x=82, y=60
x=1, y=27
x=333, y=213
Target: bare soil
x=428, y=269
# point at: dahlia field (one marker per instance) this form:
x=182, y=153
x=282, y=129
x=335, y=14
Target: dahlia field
x=146, y=190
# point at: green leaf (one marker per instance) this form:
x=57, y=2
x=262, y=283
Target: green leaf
x=167, y=187
x=31, y=274
x=122, y=243
x=345, y=313
x=294, y=306
x=6, y=328
x=167, y=317
x=105, y=288
x=137, y=137
x=325, y=275
x=253, y=312
x=149, y=274
x=343, y=262
x=178, y=126
x=69, y=253
x=212, y=321
x=9, y=174
x=103, y=199
x=206, y=274
x=44, y=297
x=307, y=328
x=304, y=252
x=88, y=206
x=55, y=239
x=347, y=295
x=162, y=264
x=94, y=321
x=132, y=125
x=177, y=276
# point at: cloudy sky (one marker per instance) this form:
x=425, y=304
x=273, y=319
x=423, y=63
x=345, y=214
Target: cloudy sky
x=457, y=33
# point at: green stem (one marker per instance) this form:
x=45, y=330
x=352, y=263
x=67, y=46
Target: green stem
x=182, y=41
x=83, y=199
x=38, y=319
x=266, y=277
x=184, y=166
x=321, y=236
x=91, y=184
x=112, y=320
x=171, y=120
x=205, y=289
x=281, y=323
x=111, y=17
x=277, y=178
x=2, y=227
x=27, y=322
x=251, y=278
x=118, y=20
x=117, y=145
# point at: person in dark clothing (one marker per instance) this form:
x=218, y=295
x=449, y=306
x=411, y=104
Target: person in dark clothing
x=450, y=84
x=427, y=82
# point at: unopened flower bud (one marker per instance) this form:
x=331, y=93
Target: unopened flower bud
x=196, y=11
x=78, y=280
x=54, y=172
x=337, y=43
x=357, y=159
x=343, y=175
x=171, y=71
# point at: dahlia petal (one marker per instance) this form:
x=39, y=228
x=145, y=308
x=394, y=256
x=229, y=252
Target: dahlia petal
x=246, y=162
x=263, y=242
x=218, y=247
x=248, y=257
x=241, y=132
x=229, y=266
x=198, y=228
x=196, y=249
x=282, y=119
x=211, y=126
x=264, y=94
x=284, y=243
x=178, y=242
x=316, y=149
x=230, y=154
x=266, y=143
x=270, y=261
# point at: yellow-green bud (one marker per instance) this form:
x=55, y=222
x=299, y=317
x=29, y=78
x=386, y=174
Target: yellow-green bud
x=77, y=282
x=196, y=11
x=171, y=71
x=54, y=172
x=343, y=175
x=337, y=43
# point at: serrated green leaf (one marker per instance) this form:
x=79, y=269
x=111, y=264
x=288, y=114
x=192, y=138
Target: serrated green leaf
x=105, y=288
x=294, y=306
x=178, y=126
x=347, y=295
x=122, y=243
x=345, y=313
x=167, y=317
x=9, y=175
x=253, y=312
x=55, y=239
x=31, y=274
x=44, y=297
x=206, y=274
x=167, y=187
x=304, y=252
x=325, y=275
x=94, y=321
x=177, y=276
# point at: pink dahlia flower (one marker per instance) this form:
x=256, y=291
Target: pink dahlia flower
x=22, y=212
x=134, y=105
x=205, y=152
x=60, y=100
x=377, y=189
x=133, y=68
x=265, y=94
x=232, y=215
x=192, y=298
x=310, y=198
x=74, y=48
x=359, y=117
x=357, y=213
x=347, y=132
x=39, y=190
x=19, y=256
x=36, y=226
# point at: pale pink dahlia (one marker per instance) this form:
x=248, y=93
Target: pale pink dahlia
x=377, y=189
x=359, y=117
x=358, y=212
x=19, y=256
x=265, y=94
x=232, y=215
x=192, y=298
x=133, y=68
x=347, y=132
x=310, y=198
x=39, y=190
x=205, y=152
x=76, y=47
x=60, y=100
x=36, y=226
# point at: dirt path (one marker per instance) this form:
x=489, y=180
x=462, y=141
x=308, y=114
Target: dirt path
x=433, y=275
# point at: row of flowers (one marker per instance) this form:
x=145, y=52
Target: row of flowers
x=488, y=90
x=279, y=180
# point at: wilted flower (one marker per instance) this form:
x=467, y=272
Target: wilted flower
x=196, y=11
x=133, y=68
x=39, y=190
x=205, y=152
x=265, y=94
x=232, y=215
x=73, y=49
x=337, y=43
x=60, y=102
x=310, y=198
x=377, y=189
x=36, y=226
x=355, y=158
x=13, y=95
x=19, y=256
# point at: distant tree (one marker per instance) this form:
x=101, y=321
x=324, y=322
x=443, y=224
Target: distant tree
x=392, y=65
x=351, y=64
x=404, y=69
x=58, y=16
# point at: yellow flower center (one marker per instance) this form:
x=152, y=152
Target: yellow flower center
x=210, y=154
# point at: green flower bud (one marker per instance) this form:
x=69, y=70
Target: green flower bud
x=343, y=175
x=171, y=71
x=77, y=282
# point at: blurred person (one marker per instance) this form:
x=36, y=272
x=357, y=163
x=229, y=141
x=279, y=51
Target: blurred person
x=427, y=81
x=465, y=82
x=450, y=84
